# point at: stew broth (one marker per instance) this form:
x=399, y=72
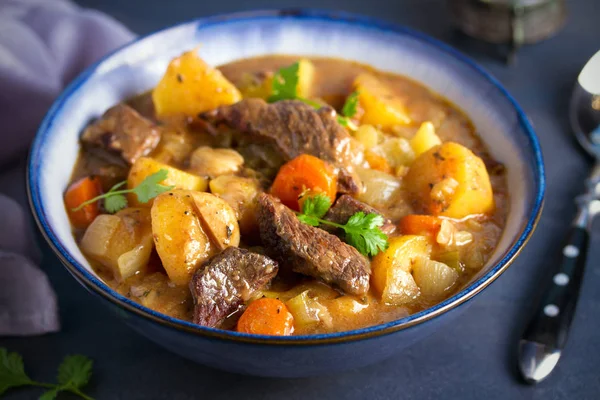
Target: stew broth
x=332, y=82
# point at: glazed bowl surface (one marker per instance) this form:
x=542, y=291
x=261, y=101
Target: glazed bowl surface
x=137, y=67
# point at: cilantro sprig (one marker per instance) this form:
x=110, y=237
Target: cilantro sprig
x=73, y=374
x=362, y=230
x=314, y=208
x=285, y=87
x=285, y=83
x=115, y=200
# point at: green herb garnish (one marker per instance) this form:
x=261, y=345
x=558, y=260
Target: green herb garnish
x=149, y=188
x=362, y=230
x=314, y=208
x=351, y=105
x=73, y=374
x=285, y=87
x=349, y=110
x=285, y=84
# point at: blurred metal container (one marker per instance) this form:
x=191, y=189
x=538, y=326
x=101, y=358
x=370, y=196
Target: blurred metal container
x=511, y=22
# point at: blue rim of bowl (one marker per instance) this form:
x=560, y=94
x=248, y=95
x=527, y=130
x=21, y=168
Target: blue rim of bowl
x=98, y=286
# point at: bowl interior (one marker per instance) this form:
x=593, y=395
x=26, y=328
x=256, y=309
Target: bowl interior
x=138, y=67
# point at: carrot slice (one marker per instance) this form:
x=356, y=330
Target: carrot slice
x=266, y=316
x=420, y=225
x=81, y=191
x=302, y=173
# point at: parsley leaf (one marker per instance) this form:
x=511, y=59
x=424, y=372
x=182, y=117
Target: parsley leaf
x=351, y=105
x=316, y=206
x=149, y=188
x=75, y=371
x=285, y=83
x=345, y=121
x=362, y=230
x=50, y=394
x=115, y=203
x=12, y=371
x=309, y=220
x=73, y=374
x=348, y=111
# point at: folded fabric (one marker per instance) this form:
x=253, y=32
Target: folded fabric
x=44, y=44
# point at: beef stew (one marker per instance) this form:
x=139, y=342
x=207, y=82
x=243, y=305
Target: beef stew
x=346, y=196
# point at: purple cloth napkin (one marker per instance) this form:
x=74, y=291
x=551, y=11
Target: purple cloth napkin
x=44, y=44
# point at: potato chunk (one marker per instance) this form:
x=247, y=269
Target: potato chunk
x=144, y=167
x=121, y=242
x=391, y=269
x=306, y=73
x=368, y=136
x=210, y=162
x=397, y=151
x=190, y=86
x=425, y=138
x=188, y=228
x=257, y=85
x=240, y=193
x=382, y=107
x=450, y=180
x=180, y=241
x=175, y=146
x=219, y=220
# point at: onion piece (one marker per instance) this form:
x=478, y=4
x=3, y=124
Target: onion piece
x=434, y=278
x=135, y=260
x=96, y=240
x=380, y=188
x=308, y=312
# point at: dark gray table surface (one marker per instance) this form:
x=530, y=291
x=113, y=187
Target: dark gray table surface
x=471, y=359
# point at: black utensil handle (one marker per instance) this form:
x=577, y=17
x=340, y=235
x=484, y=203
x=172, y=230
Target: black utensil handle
x=552, y=318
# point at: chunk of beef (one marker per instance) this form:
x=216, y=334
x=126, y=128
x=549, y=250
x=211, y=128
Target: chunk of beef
x=346, y=206
x=348, y=182
x=309, y=250
x=294, y=128
x=222, y=285
x=122, y=131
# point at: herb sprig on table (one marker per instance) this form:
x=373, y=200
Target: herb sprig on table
x=362, y=230
x=73, y=374
x=285, y=87
x=115, y=200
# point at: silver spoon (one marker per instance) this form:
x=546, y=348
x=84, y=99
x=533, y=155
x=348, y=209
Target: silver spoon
x=544, y=338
